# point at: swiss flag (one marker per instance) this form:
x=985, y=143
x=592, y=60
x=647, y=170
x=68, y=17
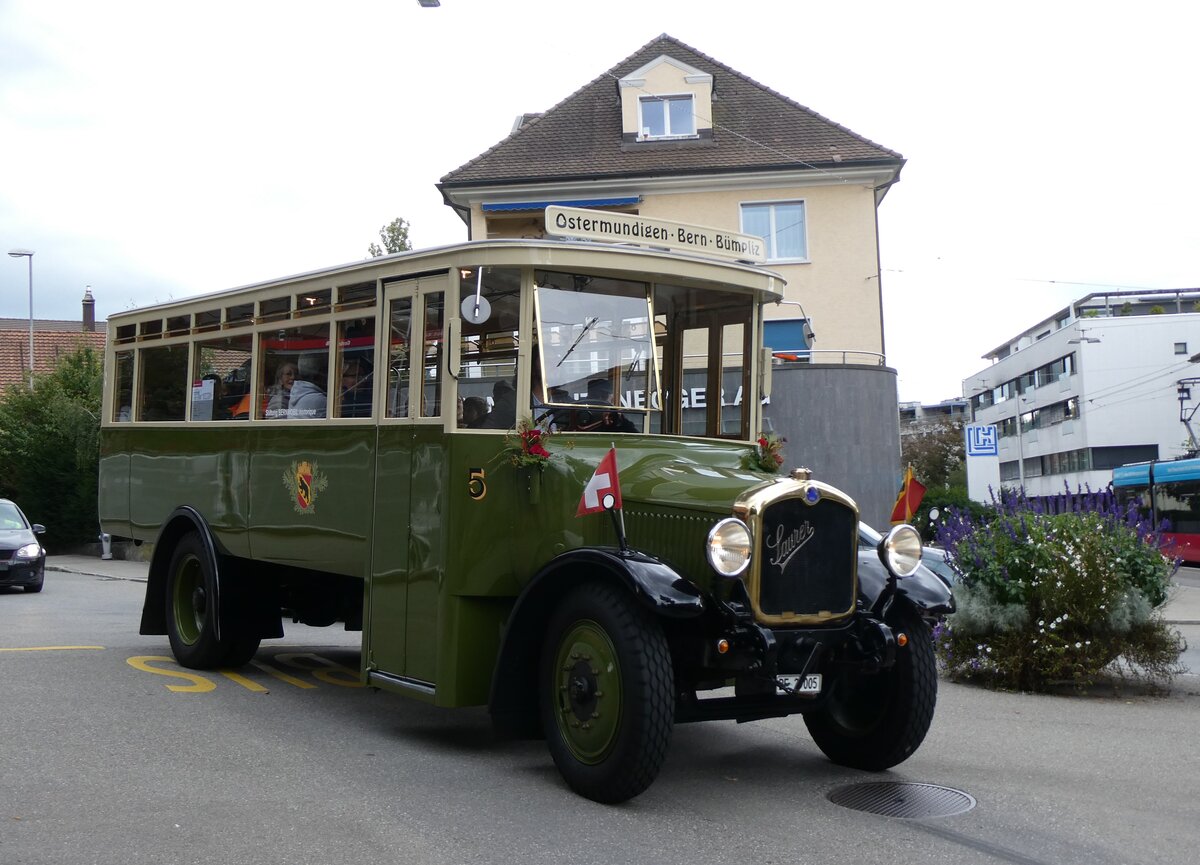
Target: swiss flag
x=604, y=483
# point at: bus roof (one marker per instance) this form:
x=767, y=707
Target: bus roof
x=1132, y=476
x=1187, y=469
x=619, y=259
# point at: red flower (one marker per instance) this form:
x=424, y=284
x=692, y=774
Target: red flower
x=537, y=450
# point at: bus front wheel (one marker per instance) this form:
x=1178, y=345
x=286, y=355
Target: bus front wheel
x=192, y=613
x=607, y=693
x=874, y=721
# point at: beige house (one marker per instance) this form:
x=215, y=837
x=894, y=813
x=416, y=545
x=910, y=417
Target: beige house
x=671, y=133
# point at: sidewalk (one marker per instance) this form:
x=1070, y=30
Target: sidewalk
x=117, y=569
x=1182, y=608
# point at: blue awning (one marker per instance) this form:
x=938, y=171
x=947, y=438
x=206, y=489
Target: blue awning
x=578, y=202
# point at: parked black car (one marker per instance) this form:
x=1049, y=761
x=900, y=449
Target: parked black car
x=22, y=557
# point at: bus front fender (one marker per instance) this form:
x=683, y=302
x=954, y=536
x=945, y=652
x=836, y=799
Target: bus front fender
x=513, y=700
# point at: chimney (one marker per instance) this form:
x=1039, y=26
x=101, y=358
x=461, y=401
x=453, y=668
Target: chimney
x=89, y=311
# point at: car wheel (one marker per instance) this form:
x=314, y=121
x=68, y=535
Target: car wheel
x=873, y=721
x=607, y=694
x=192, y=613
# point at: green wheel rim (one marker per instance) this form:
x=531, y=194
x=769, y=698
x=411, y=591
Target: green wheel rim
x=587, y=692
x=189, y=600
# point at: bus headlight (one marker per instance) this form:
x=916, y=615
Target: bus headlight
x=900, y=550
x=729, y=547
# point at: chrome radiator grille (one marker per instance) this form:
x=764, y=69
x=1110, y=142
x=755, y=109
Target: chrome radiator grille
x=807, y=560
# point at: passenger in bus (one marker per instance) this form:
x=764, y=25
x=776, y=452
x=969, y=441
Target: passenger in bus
x=474, y=410
x=356, y=388
x=504, y=407
x=281, y=393
x=306, y=399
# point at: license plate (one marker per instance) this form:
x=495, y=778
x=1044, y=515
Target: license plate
x=793, y=684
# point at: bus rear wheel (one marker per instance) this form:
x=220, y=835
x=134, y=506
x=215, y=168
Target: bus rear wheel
x=192, y=613
x=606, y=695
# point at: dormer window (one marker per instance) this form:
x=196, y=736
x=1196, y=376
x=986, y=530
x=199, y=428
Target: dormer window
x=667, y=117
x=666, y=100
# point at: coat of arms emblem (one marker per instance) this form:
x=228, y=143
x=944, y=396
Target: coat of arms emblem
x=304, y=480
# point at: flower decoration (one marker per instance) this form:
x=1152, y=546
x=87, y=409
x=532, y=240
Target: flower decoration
x=768, y=456
x=525, y=445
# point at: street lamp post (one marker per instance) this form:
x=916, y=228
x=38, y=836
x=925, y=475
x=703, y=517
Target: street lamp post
x=28, y=254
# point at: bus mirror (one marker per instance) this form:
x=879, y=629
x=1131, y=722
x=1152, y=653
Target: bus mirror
x=454, y=340
x=476, y=309
x=764, y=364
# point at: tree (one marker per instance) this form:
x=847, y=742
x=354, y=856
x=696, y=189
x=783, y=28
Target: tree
x=50, y=446
x=937, y=454
x=394, y=236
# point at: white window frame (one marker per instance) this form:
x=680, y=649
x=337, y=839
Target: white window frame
x=643, y=130
x=770, y=240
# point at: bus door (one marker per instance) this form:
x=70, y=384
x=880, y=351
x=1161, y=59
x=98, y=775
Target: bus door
x=408, y=548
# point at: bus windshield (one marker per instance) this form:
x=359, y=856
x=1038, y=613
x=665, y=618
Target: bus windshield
x=596, y=348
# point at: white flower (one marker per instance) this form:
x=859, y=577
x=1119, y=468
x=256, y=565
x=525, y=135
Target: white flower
x=1079, y=645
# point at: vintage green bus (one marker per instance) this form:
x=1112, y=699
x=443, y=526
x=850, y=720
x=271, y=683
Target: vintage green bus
x=343, y=447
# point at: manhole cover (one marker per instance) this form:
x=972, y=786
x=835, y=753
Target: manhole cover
x=907, y=800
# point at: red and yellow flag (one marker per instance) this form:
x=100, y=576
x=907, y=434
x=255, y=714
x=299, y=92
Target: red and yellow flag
x=909, y=499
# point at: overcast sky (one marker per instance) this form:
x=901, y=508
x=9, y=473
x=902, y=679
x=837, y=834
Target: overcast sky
x=156, y=150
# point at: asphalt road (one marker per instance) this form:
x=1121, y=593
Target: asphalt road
x=102, y=762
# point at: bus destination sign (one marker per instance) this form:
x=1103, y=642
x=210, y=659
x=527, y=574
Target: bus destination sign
x=582, y=223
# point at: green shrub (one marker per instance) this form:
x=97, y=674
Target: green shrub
x=49, y=448
x=1052, y=598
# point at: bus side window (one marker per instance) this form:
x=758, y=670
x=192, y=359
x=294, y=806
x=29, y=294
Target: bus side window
x=431, y=380
x=356, y=341
x=399, y=339
x=123, y=387
x=164, y=383
x=295, y=368
x=221, y=378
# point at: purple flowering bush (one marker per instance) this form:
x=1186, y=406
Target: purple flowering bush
x=1046, y=598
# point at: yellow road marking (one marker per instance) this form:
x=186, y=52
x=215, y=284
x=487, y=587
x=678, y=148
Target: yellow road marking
x=282, y=676
x=243, y=681
x=199, y=684
x=53, y=649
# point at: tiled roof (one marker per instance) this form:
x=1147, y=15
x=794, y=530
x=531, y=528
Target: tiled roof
x=42, y=324
x=48, y=347
x=754, y=129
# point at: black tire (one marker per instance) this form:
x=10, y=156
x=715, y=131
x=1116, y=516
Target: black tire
x=875, y=721
x=192, y=613
x=606, y=693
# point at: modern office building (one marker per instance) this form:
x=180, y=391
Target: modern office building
x=1098, y=384
x=918, y=417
